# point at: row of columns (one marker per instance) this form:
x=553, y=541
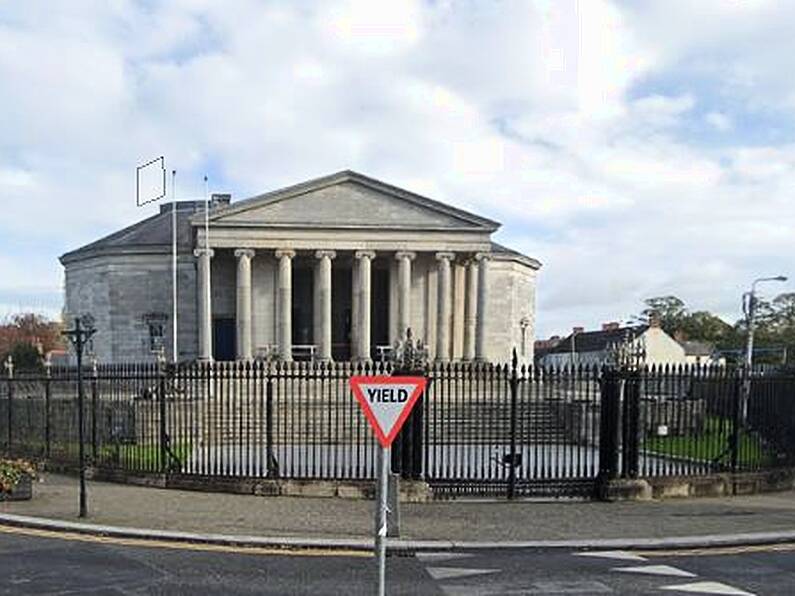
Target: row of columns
x=474, y=316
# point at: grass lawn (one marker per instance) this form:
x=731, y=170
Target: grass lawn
x=712, y=445
x=140, y=456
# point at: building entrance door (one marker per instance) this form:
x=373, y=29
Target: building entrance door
x=224, y=338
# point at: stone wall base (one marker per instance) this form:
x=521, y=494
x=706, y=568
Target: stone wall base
x=411, y=491
x=713, y=485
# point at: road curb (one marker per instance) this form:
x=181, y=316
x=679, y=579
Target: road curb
x=396, y=545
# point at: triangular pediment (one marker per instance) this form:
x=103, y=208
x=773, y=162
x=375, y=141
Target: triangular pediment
x=347, y=200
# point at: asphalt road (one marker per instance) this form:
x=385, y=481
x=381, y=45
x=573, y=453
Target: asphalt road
x=33, y=562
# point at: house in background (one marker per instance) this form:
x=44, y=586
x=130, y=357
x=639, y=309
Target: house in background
x=542, y=347
x=596, y=348
x=701, y=353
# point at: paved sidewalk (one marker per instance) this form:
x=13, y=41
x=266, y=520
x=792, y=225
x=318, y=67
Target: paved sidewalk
x=497, y=521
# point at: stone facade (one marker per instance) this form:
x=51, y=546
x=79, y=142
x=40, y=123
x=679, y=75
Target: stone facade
x=317, y=263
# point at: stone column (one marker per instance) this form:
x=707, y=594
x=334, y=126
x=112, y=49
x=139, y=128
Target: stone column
x=471, y=309
x=404, y=292
x=443, y=298
x=355, y=311
x=483, y=291
x=205, y=304
x=286, y=303
x=323, y=292
x=364, y=260
x=243, y=312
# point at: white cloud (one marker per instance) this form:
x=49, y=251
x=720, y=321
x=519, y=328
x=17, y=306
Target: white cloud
x=721, y=122
x=524, y=111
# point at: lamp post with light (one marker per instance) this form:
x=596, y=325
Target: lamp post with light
x=79, y=335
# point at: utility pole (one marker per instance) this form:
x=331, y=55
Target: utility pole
x=79, y=335
x=749, y=306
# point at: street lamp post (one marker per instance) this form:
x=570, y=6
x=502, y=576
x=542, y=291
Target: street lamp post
x=524, y=323
x=79, y=335
x=749, y=306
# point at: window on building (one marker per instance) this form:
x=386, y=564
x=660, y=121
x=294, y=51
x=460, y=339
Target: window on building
x=156, y=326
x=156, y=335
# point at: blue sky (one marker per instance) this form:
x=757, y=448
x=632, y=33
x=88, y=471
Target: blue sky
x=635, y=148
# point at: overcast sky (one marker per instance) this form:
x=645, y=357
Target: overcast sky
x=635, y=148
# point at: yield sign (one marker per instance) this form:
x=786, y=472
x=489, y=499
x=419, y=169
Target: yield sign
x=387, y=402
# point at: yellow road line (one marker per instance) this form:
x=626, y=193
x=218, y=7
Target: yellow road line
x=193, y=546
x=717, y=551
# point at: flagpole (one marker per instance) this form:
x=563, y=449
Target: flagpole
x=208, y=287
x=174, y=344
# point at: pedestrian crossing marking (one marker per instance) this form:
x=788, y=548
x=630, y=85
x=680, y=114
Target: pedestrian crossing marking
x=613, y=554
x=656, y=570
x=441, y=556
x=456, y=572
x=708, y=588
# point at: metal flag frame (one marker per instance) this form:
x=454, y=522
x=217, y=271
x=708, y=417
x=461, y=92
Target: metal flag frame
x=138, y=171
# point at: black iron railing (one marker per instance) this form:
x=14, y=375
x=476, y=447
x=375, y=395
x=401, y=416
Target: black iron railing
x=480, y=429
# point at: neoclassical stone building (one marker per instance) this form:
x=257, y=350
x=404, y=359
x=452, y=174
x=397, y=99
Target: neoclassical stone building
x=333, y=268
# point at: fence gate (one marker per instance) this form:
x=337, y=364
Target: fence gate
x=511, y=431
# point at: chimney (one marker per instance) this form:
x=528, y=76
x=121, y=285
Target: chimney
x=611, y=326
x=654, y=320
x=220, y=200
x=577, y=329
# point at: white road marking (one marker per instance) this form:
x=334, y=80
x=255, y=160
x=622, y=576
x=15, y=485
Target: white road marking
x=442, y=556
x=621, y=555
x=456, y=572
x=708, y=588
x=541, y=588
x=656, y=570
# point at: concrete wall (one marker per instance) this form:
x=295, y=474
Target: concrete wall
x=511, y=289
x=121, y=291
x=661, y=348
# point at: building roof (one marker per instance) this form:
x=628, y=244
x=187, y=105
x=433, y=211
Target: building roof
x=597, y=341
x=503, y=252
x=402, y=196
x=152, y=234
x=697, y=348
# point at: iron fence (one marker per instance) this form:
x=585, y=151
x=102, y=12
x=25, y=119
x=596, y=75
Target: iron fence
x=480, y=429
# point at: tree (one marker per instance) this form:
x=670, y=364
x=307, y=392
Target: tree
x=703, y=326
x=669, y=310
x=26, y=357
x=31, y=329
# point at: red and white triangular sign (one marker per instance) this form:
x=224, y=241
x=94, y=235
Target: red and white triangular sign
x=387, y=402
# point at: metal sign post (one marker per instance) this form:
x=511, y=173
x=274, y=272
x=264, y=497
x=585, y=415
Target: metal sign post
x=381, y=529
x=386, y=403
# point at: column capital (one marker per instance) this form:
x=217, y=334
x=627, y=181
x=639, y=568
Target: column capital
x=482, y=256
x=445, y=256
x=405, y=254
x=321, y=254
x=198, y=252
x=245, y=252
x=364, y=254
x=285, y=252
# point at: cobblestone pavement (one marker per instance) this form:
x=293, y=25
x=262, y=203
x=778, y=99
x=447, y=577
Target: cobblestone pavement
x=56, y=497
